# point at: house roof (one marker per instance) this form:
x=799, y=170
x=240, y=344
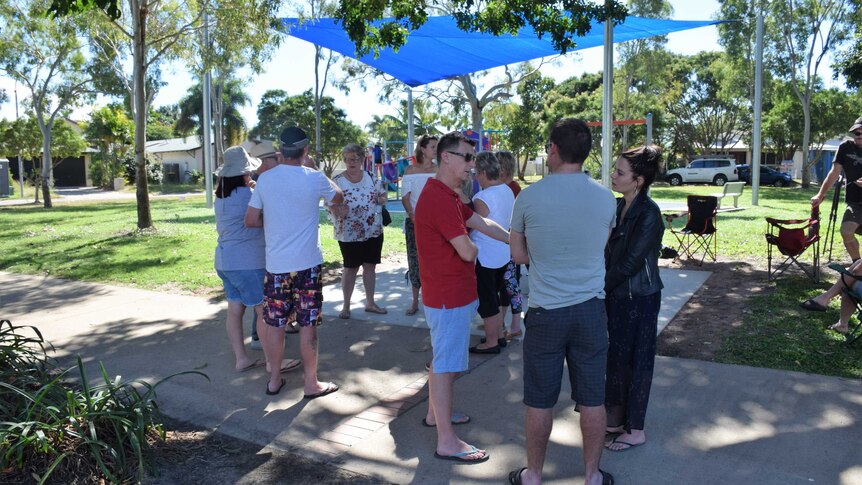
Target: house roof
x=189, y=143
x=737, y=145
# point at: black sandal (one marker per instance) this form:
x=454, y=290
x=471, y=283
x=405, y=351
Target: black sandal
x=515, y=476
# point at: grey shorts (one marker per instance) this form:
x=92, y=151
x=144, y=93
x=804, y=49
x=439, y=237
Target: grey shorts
x=577, y=334
x=853, y=213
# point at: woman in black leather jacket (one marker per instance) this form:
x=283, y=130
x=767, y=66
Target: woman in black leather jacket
x=633, y=296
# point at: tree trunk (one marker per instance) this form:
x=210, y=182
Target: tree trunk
x=806, y=138
x=139, y=12
x=217, y=105
x=47, y=166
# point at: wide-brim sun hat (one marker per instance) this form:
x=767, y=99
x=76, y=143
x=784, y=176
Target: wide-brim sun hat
x=237, y=162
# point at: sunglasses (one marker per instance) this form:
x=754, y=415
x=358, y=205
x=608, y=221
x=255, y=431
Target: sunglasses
x=548, y=146
x=468, y=157
x=857, y=133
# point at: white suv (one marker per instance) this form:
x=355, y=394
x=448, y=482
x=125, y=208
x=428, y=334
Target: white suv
x=716, y=171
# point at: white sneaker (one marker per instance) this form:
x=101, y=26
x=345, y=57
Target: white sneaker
x=256, y=345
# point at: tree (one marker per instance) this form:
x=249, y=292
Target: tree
x=140, y=34
x=232, y=129
x=161, y=122
x=113, y=131
x=47, y=57
x=804, y=32
x=360, y=19
x=526, y=131
x=849, y=62
x=707, y=109
x=234, y=43
x=277, y=109
x=640, y=70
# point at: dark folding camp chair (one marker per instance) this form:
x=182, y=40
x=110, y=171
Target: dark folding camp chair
x=792, y=238
x=699, y=233
x=855, y=295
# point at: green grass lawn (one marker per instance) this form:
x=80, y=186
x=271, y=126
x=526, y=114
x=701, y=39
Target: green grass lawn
x=98, y=242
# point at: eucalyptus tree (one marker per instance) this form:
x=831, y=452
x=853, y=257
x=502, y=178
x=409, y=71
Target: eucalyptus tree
x=130, y=40
x=47, y=57
x=849, y=62
x=640, y=74
x=242, y=37
x=804, y=32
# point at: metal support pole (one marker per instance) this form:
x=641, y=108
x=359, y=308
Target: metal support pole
x=649, y=128
x=758, y=106
x=608, y=105
x=20, y=161
x=207, y=122
x=410, y=127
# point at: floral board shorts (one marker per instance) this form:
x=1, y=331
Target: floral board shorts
x=293, y=297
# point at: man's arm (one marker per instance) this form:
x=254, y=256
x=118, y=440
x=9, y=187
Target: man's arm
x=465, y=248
x=827, y=184
x=518, y=246
x=488, y=228
x=253, y=217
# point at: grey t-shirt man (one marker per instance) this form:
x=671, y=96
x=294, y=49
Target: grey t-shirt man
x=566, y=219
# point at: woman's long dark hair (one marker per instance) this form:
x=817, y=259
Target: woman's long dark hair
x=226, y=185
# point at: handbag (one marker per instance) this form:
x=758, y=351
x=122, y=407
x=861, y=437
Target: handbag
x=387, y=219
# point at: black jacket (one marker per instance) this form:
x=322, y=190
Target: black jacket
x=631, y=256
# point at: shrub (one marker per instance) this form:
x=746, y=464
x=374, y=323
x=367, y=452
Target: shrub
x=105, y=166
x=48, y=427
x=195, y=176
x=155, y=174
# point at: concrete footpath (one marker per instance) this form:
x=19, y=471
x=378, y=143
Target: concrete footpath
x=707, y=423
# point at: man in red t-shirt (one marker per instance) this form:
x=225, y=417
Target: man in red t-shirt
x=447, y=272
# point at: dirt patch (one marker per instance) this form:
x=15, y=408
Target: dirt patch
x=721, y=303
x=192, y=455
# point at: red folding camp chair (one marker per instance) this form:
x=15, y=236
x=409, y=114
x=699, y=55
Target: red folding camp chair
x=792, y=238
x=699, y=233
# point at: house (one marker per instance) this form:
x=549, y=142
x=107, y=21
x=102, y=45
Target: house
x=180, y=156
x=68, y=172
x=739, y=150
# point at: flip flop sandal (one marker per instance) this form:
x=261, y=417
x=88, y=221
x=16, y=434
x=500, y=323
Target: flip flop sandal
x=289, y=365
x=411, y=311
x=377, y=310
x=273, y=393
x=457, y=419
x=330, y=388
x=253, y=365
x=627, y=445
x=344, y=315
x=812, y=306
x=462, y=456
x=515, y=476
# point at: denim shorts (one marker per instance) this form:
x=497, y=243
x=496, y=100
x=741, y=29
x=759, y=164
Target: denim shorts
x=243, y=285
x=450, y=336
x=576, y=334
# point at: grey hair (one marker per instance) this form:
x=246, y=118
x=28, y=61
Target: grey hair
x=353, y=148
x=487, y=162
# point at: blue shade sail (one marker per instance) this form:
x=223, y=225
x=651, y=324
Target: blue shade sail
x=439, y=50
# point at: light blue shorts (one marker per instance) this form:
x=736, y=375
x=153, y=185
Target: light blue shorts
x=243, y=285
x=450, y=336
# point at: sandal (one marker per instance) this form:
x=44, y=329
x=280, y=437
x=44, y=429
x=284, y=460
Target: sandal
x=345, y=314
x=411, y=311
x=812, y=306
x=376, y=309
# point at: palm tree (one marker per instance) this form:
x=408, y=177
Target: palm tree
x=232, y=129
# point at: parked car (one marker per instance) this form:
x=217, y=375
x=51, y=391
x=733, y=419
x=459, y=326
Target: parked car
x=718, y=171
x=768, y=176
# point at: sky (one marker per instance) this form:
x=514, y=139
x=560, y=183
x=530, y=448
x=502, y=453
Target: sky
x=292, y=69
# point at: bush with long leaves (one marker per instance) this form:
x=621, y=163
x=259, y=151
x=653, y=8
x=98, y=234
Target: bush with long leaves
x=50, y=423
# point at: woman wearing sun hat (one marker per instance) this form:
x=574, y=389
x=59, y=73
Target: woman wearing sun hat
x=240, y=253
